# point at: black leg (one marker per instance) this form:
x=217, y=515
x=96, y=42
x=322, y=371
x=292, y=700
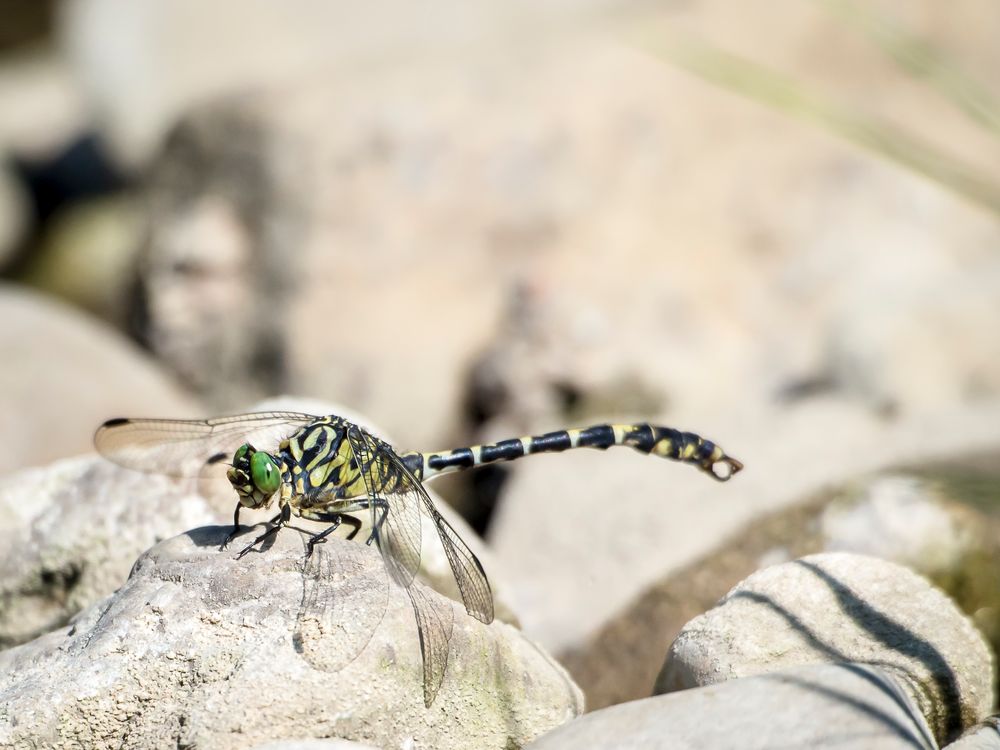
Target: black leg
x=355, y=525
x=383, y=508
x=278, y=521
x=236, y=528
x=320, y=538
x=335, y=519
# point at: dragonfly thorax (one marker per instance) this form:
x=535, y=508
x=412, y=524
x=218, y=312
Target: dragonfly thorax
x=255, y=476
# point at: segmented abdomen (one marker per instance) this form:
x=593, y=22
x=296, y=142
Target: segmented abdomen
x=643, y=437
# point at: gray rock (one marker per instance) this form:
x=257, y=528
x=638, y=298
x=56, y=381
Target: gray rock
x=71, y=374
x=87, y=256
x=898, y=517
x=919, y=345
x=44, y=107
x=72, y=531
x=311, y=36
x=820, y=706
x=986, y=736
x=313, y=745
x=201, y=649
x=840, y=607
x=936, y=520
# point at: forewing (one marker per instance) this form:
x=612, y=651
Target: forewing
x=343, y=603
x=395, y=503
x=182, y=447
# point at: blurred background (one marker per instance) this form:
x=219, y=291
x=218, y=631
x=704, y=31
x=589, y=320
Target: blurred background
x=776, y=224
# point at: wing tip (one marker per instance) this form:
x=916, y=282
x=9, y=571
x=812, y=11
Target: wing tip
x=114, y=422
x=484, y=617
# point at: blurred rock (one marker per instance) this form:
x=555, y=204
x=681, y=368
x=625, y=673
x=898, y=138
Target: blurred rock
x=196, y=52
x=26, y=24
x=86, y=256
x=198, y=648
x=303, y=201
x=819, y=706
x=840, y=607
x=72, y=531
x=926, y=342
x=900, y=518
x=64, y=374
x=984, y=737
x=940, y=519
x=13, y=216
x=43, y=107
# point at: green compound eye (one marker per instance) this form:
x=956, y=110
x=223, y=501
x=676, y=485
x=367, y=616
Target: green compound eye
x=264, y=472
x=241, y=452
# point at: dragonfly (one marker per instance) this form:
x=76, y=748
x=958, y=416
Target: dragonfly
x=329, y=469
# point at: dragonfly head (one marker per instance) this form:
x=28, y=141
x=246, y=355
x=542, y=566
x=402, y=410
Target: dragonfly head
x=255, y=476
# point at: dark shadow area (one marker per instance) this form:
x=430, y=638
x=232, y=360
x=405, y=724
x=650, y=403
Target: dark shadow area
x=890, y=634
x=26, y=24
x=213, y=536
x=207, y=536
x=905, y=733
x=835, y=654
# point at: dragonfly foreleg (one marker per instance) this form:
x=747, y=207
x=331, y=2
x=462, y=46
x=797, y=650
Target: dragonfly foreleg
x=277, y=522
x=236, y=529
x=335, y=520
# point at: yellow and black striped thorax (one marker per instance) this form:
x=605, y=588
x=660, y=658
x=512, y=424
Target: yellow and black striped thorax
x=318, y=462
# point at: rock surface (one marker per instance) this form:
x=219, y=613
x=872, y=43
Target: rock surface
x=840, y=607
x=939, y=519
x=984, y=737
x=313, y=745
x=64, y=374
x=823, y=706
x=72, y=531
x=201, y=649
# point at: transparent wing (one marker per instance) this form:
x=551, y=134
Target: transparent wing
x=465, y=566
x=392, y=482
x=182, y=447
x=343, y=603
x=395, y=506
x=435, y=619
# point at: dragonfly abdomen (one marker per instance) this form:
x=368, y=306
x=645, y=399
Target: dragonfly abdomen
x=643, y=437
